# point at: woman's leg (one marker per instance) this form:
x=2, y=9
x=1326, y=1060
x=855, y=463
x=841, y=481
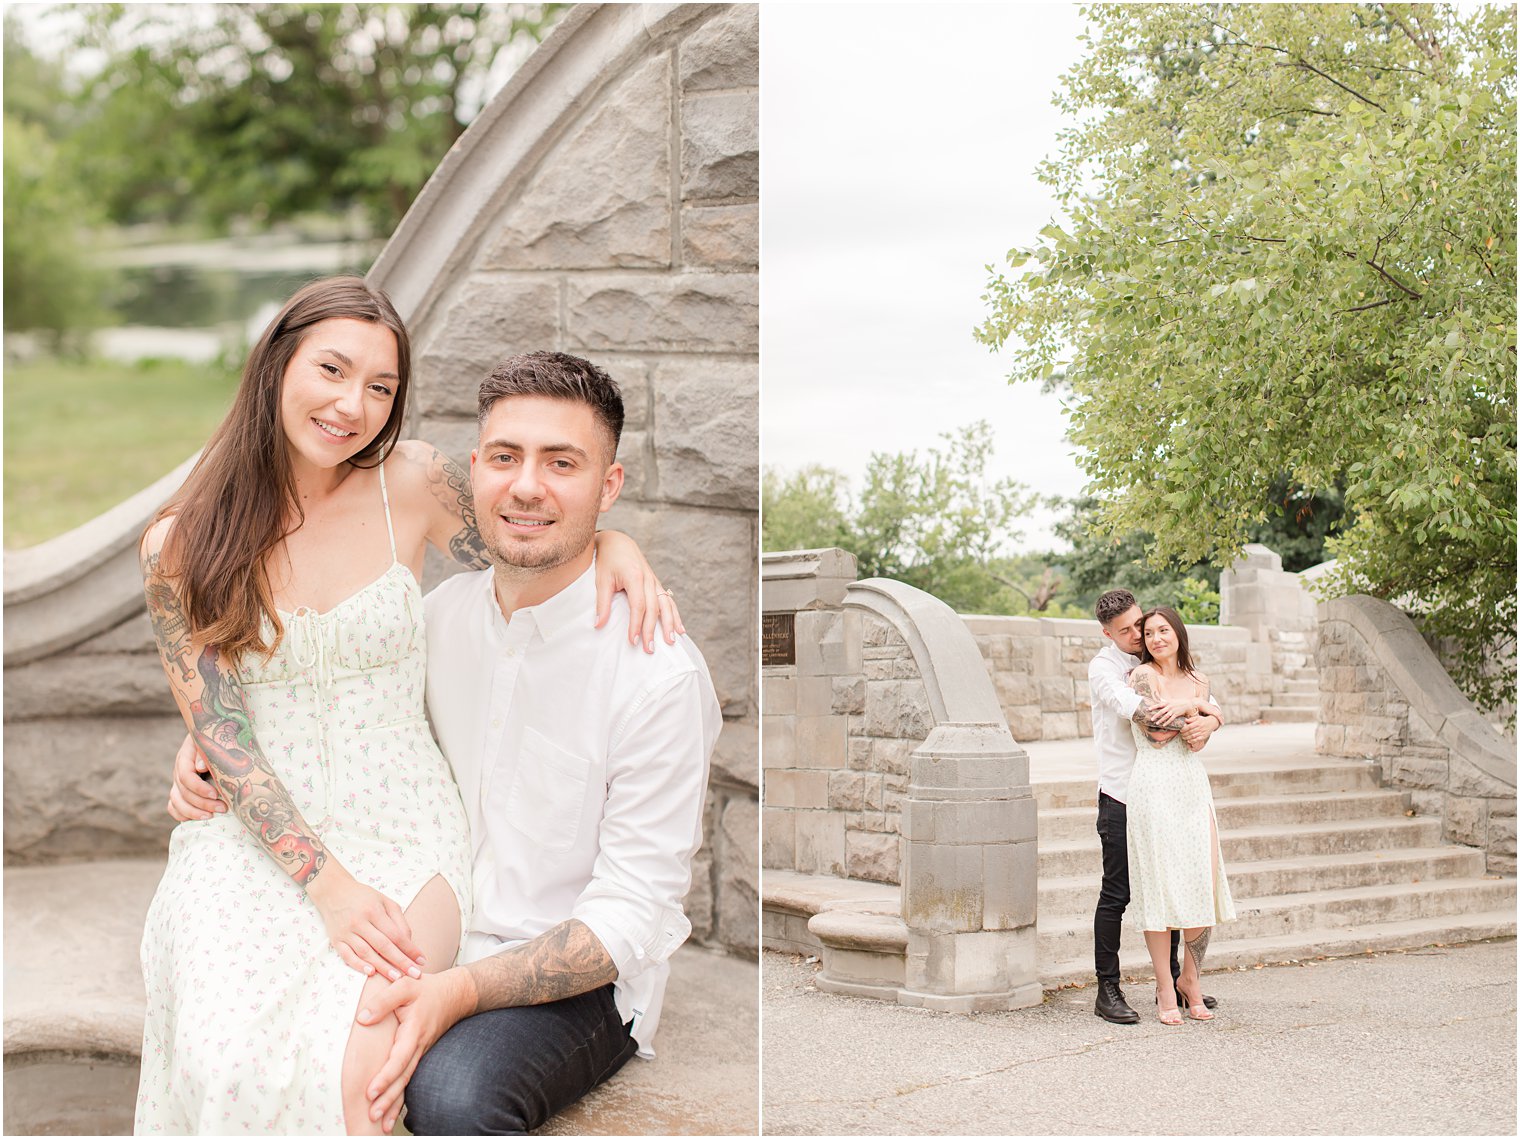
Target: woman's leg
x=1159, y=943
x=434, y=918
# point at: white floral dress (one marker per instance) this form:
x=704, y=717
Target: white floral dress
x=1176, y=877
x=249, y=1007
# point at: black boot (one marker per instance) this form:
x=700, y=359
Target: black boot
x=1112, y=1006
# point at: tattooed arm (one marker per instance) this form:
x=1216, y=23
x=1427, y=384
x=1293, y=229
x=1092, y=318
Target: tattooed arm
x=561, y=962
x=1143, y=681
x=361, y=922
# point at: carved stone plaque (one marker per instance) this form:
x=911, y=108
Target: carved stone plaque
x=778, y=639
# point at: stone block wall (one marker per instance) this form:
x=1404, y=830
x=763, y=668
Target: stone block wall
x=1273, y=606
x=632, y=239
x=605, y=204
x=1384, y=697
x=1038, y=667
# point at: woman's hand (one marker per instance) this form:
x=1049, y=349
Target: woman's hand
x=1166, y=713
x=369, y=930
x=620, y=566
x=193, y=797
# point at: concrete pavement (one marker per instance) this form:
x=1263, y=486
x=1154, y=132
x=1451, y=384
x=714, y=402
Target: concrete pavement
x=1413, y=1042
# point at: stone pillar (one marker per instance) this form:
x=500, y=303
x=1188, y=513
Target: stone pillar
x=1257, y=594
x=970, y=872
x=969, y=820
x=804, y=735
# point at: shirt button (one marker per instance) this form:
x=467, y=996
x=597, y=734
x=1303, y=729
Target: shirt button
x=495, y=723
x=511, y=652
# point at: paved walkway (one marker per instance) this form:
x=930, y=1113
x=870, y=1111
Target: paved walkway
x=1418, y=1042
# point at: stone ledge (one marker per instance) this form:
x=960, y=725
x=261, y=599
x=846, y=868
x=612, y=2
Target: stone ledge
x=76, y=990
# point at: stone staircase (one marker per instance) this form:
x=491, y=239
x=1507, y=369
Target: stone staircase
x=1295, y=699
x=1321, y=861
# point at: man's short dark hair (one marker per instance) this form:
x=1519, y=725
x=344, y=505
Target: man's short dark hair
x=1113, y=603
x=557, y=375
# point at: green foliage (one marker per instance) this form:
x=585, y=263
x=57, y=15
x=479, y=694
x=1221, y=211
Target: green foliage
x=805, y=510
x=936, y=521
x=1289, y=248
x=135, y=423
x=270, y=110
x=1197, y=604
x=49, y=283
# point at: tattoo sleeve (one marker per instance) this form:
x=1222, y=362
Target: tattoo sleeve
x=450, y=485
x=561, y=962
x=211, y=699
x=1143, y=683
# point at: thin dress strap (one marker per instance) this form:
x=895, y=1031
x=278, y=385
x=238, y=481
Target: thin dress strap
x=386, y=498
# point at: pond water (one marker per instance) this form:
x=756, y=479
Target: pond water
x=196, y=299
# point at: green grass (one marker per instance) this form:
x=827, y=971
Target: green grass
x=82, y=437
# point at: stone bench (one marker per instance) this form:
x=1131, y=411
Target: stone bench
x=74, y=1011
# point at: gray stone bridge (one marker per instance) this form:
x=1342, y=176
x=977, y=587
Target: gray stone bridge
x=931, y=856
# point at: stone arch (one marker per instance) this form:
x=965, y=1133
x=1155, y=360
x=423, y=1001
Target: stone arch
x=604, y=203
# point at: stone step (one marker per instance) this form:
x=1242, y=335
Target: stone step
x=1257, y=810
x=1063, y=936
x=1307, y=687
x=1078, y=895
x=1259, y=843
x=1307, y=945
x=1290, y=714
x=1311, y=774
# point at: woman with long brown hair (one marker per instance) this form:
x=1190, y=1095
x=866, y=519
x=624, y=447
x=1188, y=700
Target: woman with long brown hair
x=343, y=859
x=1176, y=874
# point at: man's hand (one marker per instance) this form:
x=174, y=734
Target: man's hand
x=425, y=1008
x=192, y=797
x=1197, y=730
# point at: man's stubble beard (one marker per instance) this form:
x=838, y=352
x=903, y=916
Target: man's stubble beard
x=527, y=561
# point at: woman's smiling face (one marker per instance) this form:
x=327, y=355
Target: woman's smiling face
x=338, y=390
x=1160, y=638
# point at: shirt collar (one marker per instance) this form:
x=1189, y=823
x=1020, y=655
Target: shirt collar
x=555, y=614
x=1129, y=660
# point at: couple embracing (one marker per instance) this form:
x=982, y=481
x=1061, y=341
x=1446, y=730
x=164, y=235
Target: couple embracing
x=1152, y=713
x=347, y=919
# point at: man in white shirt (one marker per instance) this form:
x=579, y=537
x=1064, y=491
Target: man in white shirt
x=1115, y=705
x=582, y=761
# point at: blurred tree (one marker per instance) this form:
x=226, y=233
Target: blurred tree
x=1290, y=247
x=269, y=110
x=937, y=521
x=49, y=282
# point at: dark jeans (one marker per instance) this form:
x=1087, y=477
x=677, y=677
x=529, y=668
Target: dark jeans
x=507, y=1071
x=1108, y=919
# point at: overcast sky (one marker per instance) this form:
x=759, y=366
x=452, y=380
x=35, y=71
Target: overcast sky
x=898, y=149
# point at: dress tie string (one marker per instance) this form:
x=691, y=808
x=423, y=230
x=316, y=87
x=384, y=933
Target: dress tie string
x=308, y=649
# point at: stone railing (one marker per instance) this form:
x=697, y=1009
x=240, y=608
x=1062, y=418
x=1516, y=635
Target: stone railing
x=604, y=203
x=1038, y=667
x=887, y=759
x=1385, y=697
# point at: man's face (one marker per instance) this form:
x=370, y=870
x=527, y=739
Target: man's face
x=1124, y=630
x=541, y=475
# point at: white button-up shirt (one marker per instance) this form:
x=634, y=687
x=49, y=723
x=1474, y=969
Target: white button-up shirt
x=1113, y=703
x=582, y=762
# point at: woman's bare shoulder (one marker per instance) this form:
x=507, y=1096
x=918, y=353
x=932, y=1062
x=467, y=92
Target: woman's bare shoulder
x=151, y=547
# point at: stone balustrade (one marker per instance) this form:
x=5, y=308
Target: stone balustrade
x=1038, y=667
x=1384, y=697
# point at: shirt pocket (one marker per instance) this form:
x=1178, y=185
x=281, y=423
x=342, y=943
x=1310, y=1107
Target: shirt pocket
x=548, y=792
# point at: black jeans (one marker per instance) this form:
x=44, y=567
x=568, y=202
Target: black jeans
x=507, y=1071
x=1108, y=919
